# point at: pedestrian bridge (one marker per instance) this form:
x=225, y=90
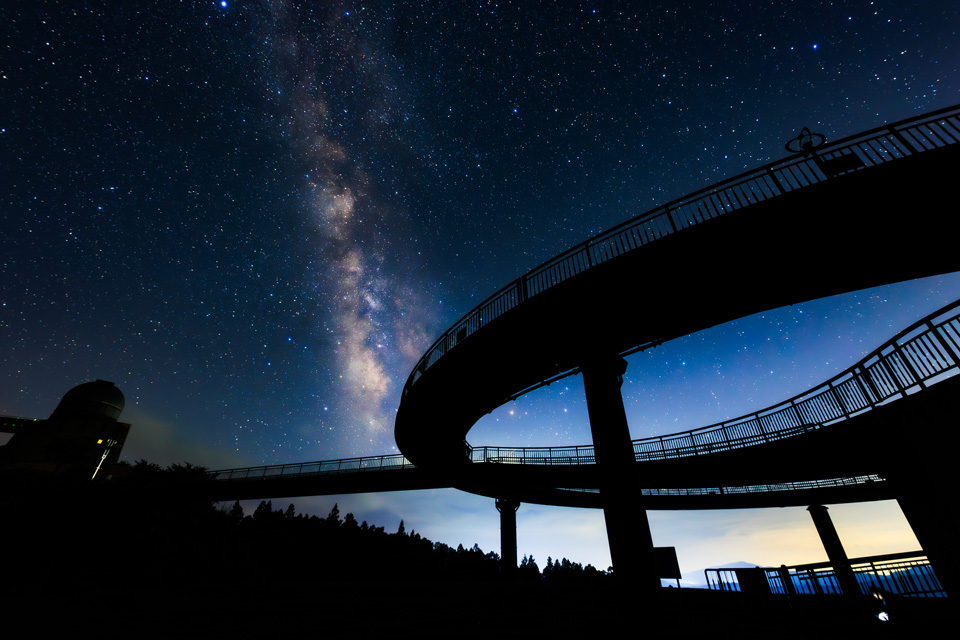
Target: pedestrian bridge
x=920, y=356
x=712, y=255
x=864, y=211
x=868, y=210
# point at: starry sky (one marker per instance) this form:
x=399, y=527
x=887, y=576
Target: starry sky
x=255, y=216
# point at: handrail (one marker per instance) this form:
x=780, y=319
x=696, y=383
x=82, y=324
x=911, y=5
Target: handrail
x=321, y=467
x=853, y=153
x=825, y=483
x=766, y=488
x=924, y=353
x=906, y=574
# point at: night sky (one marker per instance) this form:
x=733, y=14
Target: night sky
x=254, y=217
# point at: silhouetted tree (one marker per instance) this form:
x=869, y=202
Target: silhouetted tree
x=264, y=510
x=236, y=513
x=528, y=570
x=333, y=518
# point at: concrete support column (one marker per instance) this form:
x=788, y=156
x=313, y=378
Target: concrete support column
x=508, y=536
x=834, y=548
x=628, y=530
x=934, y=521
x=917, y=459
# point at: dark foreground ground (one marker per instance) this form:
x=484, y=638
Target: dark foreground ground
x=399, y=609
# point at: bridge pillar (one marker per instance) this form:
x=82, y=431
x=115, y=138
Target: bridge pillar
x=628, y=529
x=508, y=536
x=921, y=467
x=834, y=548
x=934, y=521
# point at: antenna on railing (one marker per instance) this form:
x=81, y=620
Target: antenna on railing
x=806, y=142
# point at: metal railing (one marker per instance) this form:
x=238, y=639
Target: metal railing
x=579, y=454
x=900, y=574
x=922, y=354
x=322, y=467
x=749, y=489
x=853, y=153
x=765, y=488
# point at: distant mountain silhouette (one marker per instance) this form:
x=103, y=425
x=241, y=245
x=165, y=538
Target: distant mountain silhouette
x=696, y=580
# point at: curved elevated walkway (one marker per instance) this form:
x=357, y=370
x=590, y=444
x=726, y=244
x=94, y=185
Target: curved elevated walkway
x=814, y=231
x=858, y=213
x=828, y=444
x=546, y=323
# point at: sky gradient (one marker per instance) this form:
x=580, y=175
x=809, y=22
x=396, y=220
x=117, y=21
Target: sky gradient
x=254, y=217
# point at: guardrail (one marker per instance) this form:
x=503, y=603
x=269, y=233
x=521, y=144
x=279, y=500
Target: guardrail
x=922, y=354
x=853, y=153
x=752, y=488
x=901, y=574
x=765, y=488
x=319, y=468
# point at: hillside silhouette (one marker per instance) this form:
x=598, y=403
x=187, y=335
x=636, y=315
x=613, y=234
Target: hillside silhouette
x=151, y=550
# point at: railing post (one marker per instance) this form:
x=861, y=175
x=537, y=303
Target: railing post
x=786, y=581
x=836, y=398
x=673, y=225
x=899, y=136
x=946, y=345
x=763, y=430
x=892, y=374
x=796, y=412
x=521, y=289
x=909, y=365
x=863, y=389
x=776, y=181
x=868, y=377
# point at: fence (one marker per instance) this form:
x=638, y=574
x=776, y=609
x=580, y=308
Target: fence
x=900, y=574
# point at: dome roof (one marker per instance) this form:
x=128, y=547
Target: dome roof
x=90, y=399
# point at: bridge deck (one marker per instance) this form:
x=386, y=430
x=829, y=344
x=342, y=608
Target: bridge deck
x=713, y=255
x=698, y=276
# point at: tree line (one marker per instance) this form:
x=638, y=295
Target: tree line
x=163, y=523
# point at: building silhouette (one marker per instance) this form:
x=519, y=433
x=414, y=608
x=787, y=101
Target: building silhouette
x=81, y=439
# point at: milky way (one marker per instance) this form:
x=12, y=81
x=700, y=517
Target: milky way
x=347, y=232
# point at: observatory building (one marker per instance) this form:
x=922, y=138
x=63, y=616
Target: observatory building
x=81, y=439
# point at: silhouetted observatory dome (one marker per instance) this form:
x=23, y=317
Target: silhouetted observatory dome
x=91, y=399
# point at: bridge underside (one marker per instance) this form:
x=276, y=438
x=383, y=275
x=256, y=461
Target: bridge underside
x=886, y=441
x=523, y=489
x=329, y=484
x=860, y=230
x=883, y=441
